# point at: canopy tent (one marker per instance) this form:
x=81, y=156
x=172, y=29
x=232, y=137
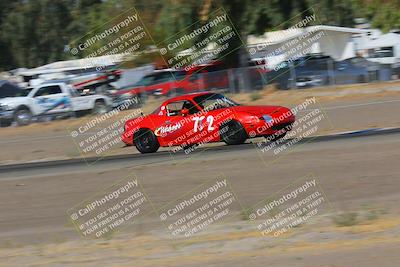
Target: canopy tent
x=385, y=40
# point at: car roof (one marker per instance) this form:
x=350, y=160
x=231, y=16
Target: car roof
x=188, y=96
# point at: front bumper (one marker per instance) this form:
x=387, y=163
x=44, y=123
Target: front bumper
x=6, y=114
x=127, y=138
x=264, y=128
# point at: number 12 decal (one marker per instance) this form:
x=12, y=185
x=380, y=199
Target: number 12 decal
x=198, y=123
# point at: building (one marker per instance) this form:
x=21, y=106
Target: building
x=278, y=46
x=384, y=49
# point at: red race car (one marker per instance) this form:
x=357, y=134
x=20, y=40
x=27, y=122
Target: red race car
x=199, y=118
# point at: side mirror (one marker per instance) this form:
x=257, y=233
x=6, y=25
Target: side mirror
x=184, y=112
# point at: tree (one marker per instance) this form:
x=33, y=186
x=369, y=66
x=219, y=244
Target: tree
x=32, y=36
x=35, y=32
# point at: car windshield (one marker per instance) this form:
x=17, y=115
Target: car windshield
x=214, y=101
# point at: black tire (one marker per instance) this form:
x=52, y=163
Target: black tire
x=233, y=133
x=146, y=141
x=273, y=137
x=100, y=107
x=23, y=116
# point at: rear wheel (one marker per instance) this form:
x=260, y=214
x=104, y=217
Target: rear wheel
x=100, y=107
x=146, y=141
x=233, y=133
x=23, y=116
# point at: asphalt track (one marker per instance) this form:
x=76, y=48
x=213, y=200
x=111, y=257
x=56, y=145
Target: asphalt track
x=35, y=145
x=353, y=168
x=135, y=160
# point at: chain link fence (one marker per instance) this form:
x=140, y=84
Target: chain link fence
x=291, y=76
x=286, y=75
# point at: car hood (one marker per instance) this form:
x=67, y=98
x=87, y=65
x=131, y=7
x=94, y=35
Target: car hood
x=260, y=110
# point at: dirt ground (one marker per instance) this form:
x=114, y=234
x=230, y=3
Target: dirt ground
x=351, y=107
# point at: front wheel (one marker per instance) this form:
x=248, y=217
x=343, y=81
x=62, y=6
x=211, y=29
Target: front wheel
x=233, y=133
x=146, y=141
x=23, y=116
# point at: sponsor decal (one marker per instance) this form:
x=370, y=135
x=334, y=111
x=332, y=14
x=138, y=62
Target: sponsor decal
x=163, y=130
x=51, y=104
x=161, y=111
x=268, y=119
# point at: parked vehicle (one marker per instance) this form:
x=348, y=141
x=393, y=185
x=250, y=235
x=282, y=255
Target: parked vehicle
x=319, y=70
x=343, y=73
x=52, y=99
x=96, y=83
x=385, y=49
x=376, y=71
x=169, y=82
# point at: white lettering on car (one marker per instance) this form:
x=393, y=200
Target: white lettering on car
x=198, y=123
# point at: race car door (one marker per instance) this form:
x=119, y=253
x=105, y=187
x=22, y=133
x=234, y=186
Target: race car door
x=179, y=123
x=50, y=99
x=79, y=102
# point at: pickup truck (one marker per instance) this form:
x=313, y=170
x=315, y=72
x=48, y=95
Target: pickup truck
x=50, y=99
